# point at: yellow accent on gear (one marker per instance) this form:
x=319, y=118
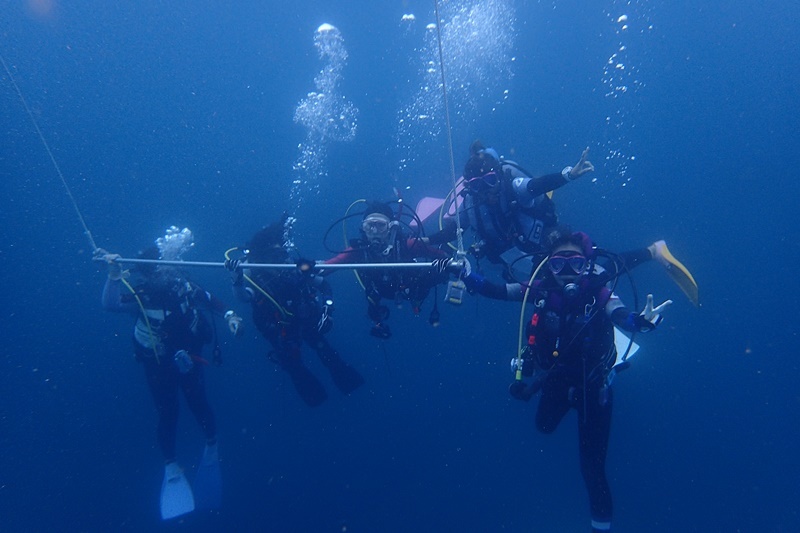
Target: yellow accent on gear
x=681, y=276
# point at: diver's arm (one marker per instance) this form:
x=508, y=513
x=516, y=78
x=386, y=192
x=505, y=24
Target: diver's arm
x=243, y=291
x=322, y=285
x=633, y=258
x=476, y=283
x=112, y=298
x=443, y=236
x=551, y=182
x=544, y=184
x=212, y=303
x=632, y=322
x=419, y=248
x=347, y=256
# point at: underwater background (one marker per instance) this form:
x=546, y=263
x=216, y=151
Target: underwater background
x=198, y=114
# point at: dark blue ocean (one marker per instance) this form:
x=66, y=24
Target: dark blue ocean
x=185, y=113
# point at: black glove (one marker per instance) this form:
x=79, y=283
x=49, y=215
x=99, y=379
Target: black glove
x=519, y=390
x=441, y=265
x=232, y=265
x=378, y=313
x=381, y=331
x=641, y=324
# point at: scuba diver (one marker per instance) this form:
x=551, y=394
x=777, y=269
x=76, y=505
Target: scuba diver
x=512, y=213
x=571, y=356
x=171, y=329
x=291, y=306
x=383, y=240
x=508, y=209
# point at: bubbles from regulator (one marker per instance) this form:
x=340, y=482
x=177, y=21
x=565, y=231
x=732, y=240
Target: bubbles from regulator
x=477, y=47
x=175, y=243
x=288, y=234
x=326, y=114
x=622, y=80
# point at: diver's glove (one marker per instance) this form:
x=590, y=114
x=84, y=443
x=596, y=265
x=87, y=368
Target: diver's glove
x=377, y=313
x=381, y=331
x=183, y=361
x=527, y=360
x=474, y=282
x=457, y=267
x=442, y=265
x=115, y=272
x=650, y=317
x=581, y=167
x=234, y=322
x=325, y=323
x=232, y=265
x=519, y=390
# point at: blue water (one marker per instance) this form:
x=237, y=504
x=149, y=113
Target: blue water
x=182, y=113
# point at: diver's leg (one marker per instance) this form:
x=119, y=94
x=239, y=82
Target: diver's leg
x=346, y=378
x=594, y=424
x=553, y=404
x=162, y=380
x=194, y=390
x=286, y=353
x=307, y=385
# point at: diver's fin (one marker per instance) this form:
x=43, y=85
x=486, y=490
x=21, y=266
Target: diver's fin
x=176, y=494
x=345, y=377
x=679, y=273
x=425, y=208
x=307, y=385
x=208, y=480
x=622, y=342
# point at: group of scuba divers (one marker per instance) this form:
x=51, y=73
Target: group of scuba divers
x=567, y=354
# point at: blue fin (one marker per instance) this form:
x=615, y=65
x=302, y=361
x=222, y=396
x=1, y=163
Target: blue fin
x=208, y=480
x=176, y=494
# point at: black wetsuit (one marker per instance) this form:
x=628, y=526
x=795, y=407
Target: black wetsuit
x=296, y=312
x=514, y=214
x=174, y=308
x=571, y=347
x=583, y=337
x=395, y=284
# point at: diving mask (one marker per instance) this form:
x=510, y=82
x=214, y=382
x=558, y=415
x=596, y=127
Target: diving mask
x=376, y=227
x=574, y=263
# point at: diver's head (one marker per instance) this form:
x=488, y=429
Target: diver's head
x=269, y=244
x=483, y=170
x=570, y=258
x=147, y=270
x=378, y=223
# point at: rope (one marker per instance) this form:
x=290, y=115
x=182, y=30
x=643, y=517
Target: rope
x=459, y=236
x=52, y=159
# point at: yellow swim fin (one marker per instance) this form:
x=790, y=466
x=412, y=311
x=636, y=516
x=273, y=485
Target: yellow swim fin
x=679, y=273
